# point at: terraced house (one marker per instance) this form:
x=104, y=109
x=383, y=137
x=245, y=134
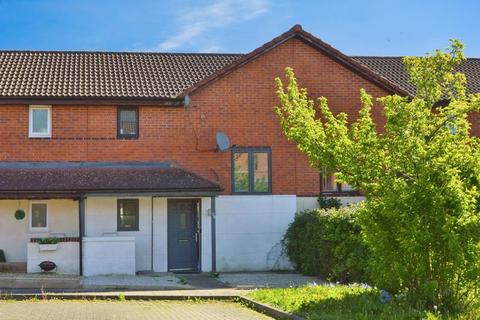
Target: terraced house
x=167, y=161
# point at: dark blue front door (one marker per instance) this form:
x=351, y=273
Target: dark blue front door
x=183, y=236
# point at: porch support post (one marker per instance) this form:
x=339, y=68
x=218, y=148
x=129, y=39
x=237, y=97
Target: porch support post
x=214, y=235
x=81, y=229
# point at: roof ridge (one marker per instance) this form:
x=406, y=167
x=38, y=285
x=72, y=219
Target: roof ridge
x=401, y=57
x=123, y=52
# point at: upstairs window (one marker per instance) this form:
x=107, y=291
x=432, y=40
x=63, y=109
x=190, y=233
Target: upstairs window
x=331, y=185
x=40, y=122
x=127, y=126
x=251, y=170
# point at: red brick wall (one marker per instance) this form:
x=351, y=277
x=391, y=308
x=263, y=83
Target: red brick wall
x=240, y=104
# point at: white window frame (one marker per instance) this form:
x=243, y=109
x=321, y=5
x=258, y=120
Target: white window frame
x=37, y=229
x=32, y=134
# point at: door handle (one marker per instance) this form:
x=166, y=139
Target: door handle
x=196, y=237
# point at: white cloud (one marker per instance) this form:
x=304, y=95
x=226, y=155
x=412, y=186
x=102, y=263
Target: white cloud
x=219, y=14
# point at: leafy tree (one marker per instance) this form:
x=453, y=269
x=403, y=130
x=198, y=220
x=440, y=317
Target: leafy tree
x=420, y=174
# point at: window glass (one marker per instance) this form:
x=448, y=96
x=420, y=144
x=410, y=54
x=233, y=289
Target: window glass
x=241, y=172
x=40, y=120
x=183, y=220
x=330, y=184
x=127, y=122
x=260, y=172
x=251, y=170
x=345, y=187
x=127, y=214
x=39, y=215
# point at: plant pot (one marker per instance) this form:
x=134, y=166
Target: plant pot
x=48, y=247
x=47, y=266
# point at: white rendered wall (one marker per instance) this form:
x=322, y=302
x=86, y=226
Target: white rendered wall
x=249, y=231
x=308, y=203
x=15, y=234
x=65, y=257
x=350, y=200
x=206, y=235
x=160, y=236
x=101, y=218
x=108, y=255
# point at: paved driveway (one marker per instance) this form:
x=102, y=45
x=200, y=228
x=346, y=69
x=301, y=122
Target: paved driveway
x=119, y=310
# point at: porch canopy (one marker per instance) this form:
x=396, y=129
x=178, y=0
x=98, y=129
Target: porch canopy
x=42, y=180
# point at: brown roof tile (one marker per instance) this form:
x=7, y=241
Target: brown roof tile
x=76, y=178
x=393, y=69
x=104, y=74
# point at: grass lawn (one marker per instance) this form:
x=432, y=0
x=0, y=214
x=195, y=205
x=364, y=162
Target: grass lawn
x=342, y=302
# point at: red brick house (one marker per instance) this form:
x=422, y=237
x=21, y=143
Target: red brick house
x=116, y=153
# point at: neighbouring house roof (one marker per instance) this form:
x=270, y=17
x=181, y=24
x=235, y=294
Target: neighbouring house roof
x=72, y=179
x=393, y=68
x=104, y=75
x=168, y=77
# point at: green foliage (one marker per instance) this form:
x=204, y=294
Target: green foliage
x=327, y=203
x=2, y=256
x=49, y=240
x=327, y=243
x=346, y=302
x=421, y=218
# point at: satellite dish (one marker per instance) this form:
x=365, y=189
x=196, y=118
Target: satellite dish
x=223, y=143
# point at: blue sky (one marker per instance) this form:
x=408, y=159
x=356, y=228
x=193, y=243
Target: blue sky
x=358, y=27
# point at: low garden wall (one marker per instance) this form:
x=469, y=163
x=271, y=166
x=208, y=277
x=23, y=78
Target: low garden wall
x=108, y=255
x=65, y=254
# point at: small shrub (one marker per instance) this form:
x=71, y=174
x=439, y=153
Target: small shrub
x=50, y=240
x=327, y=243
x=328, y=203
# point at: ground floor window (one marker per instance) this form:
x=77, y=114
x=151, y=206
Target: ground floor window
x=331, y=185
x=127, y=215
x=38, y=216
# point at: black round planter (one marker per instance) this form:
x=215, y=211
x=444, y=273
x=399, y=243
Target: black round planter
x=47, y=266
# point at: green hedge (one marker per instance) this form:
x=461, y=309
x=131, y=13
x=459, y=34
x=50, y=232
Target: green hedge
x=327, y=243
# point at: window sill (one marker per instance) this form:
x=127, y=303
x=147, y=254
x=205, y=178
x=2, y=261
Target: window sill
x=38, y=230
x=251, y=193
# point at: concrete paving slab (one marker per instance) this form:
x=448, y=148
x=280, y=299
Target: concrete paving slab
x=93, y=310
x=254, y=280
x=164, y=281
